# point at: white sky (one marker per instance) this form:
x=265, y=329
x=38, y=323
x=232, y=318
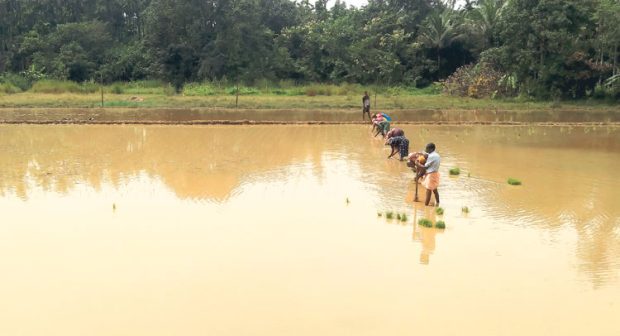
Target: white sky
x=359, y=3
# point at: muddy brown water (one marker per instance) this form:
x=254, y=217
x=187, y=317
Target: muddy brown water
x=246, y=230
x=609, y=115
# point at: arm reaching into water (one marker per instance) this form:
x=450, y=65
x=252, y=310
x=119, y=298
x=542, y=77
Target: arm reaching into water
x=394, y=151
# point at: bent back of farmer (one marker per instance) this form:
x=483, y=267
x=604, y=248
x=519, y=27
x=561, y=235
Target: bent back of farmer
x=394, y=132
x=383, y=125
x=400, y=145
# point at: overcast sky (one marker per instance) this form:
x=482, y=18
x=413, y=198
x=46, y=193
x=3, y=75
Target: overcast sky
x=359, y=3
x=356, y=3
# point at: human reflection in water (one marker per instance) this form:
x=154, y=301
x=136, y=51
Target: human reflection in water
x=426, y=236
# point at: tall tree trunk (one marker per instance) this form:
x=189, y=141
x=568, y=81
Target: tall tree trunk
x=615, y=66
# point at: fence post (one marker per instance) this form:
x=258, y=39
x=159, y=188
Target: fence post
x=101, y=86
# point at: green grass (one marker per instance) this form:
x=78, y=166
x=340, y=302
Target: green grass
x=439, y=211
x=455, y=171
x=465, y=209
x=514, y=181
x=440, y=225
x=57, y=86
x=8, y=88
x=425, y=223
x=266, y=95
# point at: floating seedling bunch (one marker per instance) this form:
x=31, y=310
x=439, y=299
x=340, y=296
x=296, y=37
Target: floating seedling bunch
x=427, y=223
x=455, y=171
x=514, y=181
x=394, y=215
x=465, y=210
x=440, y=224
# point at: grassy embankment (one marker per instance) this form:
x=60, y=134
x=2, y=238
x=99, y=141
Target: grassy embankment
x=58, y=94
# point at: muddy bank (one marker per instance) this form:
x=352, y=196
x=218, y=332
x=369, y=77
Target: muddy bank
x=294, y=116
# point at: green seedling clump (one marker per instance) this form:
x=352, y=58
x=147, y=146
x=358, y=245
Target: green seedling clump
x=440, y=225
x=514, y=181
x=403, y=217
x=389, y=215
x=425, y=222
x=455, y=171
x=398, y=216
x=439, y=211
x=379, y=214
x=465, y=209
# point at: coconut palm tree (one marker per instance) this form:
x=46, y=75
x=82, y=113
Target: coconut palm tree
x=440, y=29
x=484, y=17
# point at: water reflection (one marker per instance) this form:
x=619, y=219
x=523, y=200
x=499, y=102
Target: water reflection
x=569, y=173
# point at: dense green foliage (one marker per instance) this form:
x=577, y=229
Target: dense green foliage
x=540, y=48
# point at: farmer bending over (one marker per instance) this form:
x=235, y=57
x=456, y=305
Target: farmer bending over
x=376, y=119
x=399, y=144
x=431, y=178
x=394, y=132
x=417, y=157
x=383, y=125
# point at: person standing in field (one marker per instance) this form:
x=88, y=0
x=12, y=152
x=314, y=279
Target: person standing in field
x=431, y=177
x=366, y=106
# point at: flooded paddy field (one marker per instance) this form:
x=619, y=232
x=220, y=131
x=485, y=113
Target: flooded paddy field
x=273, y=230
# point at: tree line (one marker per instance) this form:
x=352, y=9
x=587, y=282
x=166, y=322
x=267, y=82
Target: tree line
x=540, y=48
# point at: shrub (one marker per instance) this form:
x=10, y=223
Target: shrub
x=8, y=88
x=89, y=87
x=455, y=171
x=425, y=223
x=199, y=89
x=319, y=90
x=170, y=90
x=55, y=86
x=19, y=81
x=440, y=225
x=514, y=181
x=144, y=87
x=117, y=89
x=479, y=81
x=243, y=90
